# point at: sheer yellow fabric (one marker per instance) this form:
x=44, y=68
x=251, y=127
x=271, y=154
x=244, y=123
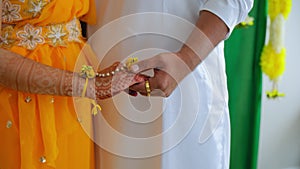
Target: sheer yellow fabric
x=41, y=131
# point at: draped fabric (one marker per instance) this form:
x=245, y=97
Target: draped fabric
x=193, y=151
x=41, y=131
x=242, y=53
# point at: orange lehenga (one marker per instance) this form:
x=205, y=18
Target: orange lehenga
x=41, y=131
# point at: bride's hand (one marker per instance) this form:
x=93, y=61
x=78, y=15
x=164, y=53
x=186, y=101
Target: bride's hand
x=112, y=80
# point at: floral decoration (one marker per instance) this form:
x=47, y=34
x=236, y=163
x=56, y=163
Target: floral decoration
x=30, y=37
x=273, y=55
x=10, y=12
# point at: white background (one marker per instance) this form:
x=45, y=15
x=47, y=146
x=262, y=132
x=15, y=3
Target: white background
x=280, y=119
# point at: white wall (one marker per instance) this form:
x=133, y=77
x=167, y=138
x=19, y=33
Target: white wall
x=280, y=118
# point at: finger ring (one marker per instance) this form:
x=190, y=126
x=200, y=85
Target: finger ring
x=147, y=86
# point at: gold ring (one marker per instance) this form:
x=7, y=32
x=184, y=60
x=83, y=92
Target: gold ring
x=147, y=86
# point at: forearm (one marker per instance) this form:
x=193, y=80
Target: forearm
x=209, y=31
x=1, y=16
x=22, y=74
x=26, y=75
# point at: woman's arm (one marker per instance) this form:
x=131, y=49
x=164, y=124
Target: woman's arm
x=26, y=75
x=1, y=16
x=22, y=74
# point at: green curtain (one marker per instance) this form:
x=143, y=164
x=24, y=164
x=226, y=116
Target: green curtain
x=242, y=54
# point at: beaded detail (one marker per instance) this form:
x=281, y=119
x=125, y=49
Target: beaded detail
x=17, y=10
x=107, y=74
x=29, y=36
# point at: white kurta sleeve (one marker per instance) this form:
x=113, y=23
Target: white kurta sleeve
x=231, y=12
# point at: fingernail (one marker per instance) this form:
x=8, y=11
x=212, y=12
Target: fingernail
x=134, y=68
x=138, y=78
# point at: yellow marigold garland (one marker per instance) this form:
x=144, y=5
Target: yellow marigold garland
x=272, y=63
x=273, y=55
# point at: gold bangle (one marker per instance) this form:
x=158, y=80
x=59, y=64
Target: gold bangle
x=147, y=86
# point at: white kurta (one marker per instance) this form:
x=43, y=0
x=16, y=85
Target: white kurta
x=195, y=119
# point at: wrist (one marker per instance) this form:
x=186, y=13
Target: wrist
x=78, y=83
x=190, y=58
x=76, y=86
x=90, y=89
x=86, y=86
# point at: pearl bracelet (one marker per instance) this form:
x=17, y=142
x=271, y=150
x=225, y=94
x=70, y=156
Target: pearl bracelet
x=123, y=68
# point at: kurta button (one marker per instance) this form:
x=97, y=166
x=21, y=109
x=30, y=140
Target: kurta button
x=43, y=159
x=28, y=99
x=8, y=124
x=52, y=100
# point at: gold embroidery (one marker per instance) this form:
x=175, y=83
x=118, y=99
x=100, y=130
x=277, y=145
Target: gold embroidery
x=36, y=6
x=56, y=35
x=74, y=31
x=30, y=36
x=10, y=12
x=6, y=39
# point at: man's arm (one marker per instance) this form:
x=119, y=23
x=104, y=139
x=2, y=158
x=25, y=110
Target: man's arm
x=171, y=68
x=215, y=22
x=209, y=31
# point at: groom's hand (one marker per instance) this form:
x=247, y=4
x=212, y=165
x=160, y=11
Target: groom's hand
x=169, y=69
